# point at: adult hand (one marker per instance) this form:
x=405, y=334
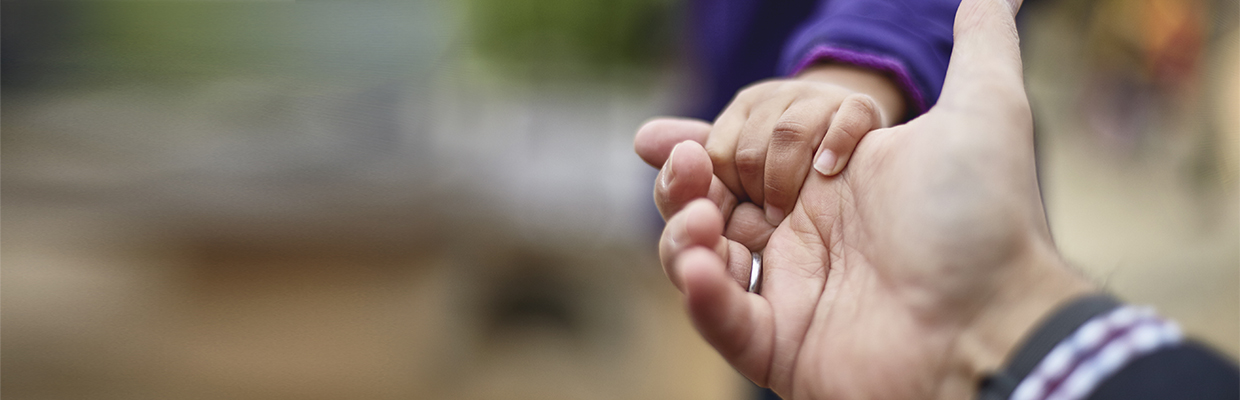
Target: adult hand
x=908, y=275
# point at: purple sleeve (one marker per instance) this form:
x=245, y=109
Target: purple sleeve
x=911, y=40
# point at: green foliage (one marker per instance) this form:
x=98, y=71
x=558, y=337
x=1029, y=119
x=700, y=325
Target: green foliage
x=588, y=38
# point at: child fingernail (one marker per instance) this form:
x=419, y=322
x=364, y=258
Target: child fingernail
x=774, y=215
x=825, y=162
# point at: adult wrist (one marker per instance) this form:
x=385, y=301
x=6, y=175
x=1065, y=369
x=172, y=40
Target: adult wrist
x=1033, y=292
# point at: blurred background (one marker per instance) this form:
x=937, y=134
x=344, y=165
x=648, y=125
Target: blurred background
x=438, y=199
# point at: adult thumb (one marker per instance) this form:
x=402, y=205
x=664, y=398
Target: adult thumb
x=986, y=52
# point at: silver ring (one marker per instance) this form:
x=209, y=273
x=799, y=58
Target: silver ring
x=755, y=273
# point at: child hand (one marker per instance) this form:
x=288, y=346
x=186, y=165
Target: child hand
x=763, y=145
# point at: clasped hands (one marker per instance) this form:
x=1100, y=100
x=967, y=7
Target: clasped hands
x=906, y=265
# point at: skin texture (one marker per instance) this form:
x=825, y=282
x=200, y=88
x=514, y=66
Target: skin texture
x=909, y=274
x=757, y=142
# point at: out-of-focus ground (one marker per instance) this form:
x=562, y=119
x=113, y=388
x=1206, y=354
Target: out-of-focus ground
x=335, y=201
x=439, y=199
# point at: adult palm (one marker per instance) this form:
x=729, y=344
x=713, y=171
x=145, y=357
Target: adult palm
x=907, y=275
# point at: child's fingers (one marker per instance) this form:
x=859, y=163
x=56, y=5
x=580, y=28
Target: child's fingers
x=722, y=197
x=721, y=145
x=751, y=147
x=793, y=139
x=857, y=115
x=747, y=226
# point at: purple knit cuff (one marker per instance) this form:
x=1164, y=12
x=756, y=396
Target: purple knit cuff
x=886, y=65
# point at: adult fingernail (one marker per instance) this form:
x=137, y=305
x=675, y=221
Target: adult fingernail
x=825, y=162
x=667, y=167
x=774, y=215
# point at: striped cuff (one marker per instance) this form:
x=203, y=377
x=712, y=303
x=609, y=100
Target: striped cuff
x=1095, y=351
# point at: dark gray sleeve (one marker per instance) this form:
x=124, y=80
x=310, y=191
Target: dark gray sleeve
x=1185, y=371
